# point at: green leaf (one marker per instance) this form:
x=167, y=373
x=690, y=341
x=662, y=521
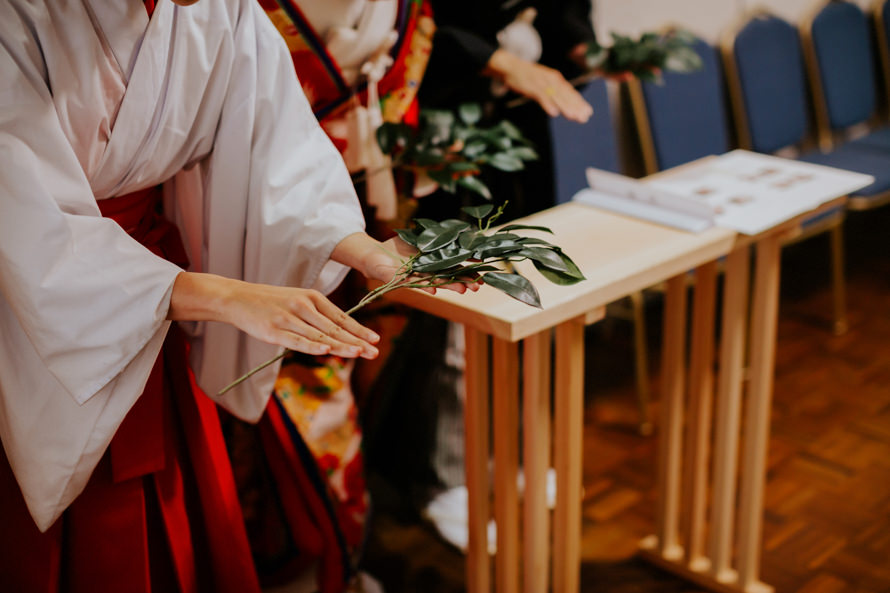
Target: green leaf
x=440, y=260
x=474, y=149
x=426, y=223
x=515, y=286
x=480, y=267
x=466, y=239
x=502, y=143
x=683, y=59
x=567, y=268
x=475, y=185
x=479, y=212
x=455, y=223
x=524, y=227
x=503, y=235
x=505, y=162
x=510, y=130
x=470, y=113
x=437, y=124
x=683, y=36
x=523, y=153
x=386, y=137
x=499, y=248
x=436, y=237
x=595, y=57
x=527, y=241
x=557, y=278
x=407, y=236
x=462, y=166
x=546, y=257
x=428, y=156
x=444, y=179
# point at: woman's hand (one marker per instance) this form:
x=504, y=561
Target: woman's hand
x=545, y=85
x=384, y=266
x=296, y=318
x=380, y=261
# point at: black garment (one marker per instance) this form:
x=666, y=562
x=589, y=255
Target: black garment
x=466, y=37
x=414, y=446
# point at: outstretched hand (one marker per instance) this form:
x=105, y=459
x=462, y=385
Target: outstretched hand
x=383, y=263
x=546, y=86
x=296, y=318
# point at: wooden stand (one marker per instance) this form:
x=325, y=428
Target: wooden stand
x=619, y=256
x=720, y=552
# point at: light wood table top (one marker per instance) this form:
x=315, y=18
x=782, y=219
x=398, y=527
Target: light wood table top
x=617, y=254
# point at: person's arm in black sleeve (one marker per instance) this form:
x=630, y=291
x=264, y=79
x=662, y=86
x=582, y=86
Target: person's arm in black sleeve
x=577, y=23
x=566, y=28
x=465, y=39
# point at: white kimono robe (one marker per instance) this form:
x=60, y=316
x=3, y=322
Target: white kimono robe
x=97, y=102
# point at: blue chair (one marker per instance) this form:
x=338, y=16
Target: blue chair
x=578, y=146
x=838, y=48
x=594, y=144
x=685, y=118
x=765, y=71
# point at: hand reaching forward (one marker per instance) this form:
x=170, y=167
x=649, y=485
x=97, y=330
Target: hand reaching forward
x=299, y=319
x=296, y=318
x=381, y=261
x=545, y=85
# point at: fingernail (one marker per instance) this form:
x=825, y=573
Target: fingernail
x=374, y=337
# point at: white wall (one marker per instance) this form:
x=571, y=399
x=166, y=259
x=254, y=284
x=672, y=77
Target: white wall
x=706, y=18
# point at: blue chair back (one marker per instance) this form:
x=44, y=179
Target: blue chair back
x=770, y=69
x=578, y=146
x=841, y=42
x=687, y=114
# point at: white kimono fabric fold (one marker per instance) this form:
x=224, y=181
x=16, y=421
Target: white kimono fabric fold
x=98, y=102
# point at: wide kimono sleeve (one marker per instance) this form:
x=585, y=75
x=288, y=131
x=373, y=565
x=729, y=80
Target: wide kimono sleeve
x=277, y=200
x=82, y=305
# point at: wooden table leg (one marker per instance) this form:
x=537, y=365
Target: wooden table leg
x=476, y=460
x=505, y=387
x=729, y=396
x=671, y=429
x=698, y=417
x=536, y=457
x=569, y=426
x=764, y=316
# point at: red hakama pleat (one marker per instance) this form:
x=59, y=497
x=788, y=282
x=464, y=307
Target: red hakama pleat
x=160, y=513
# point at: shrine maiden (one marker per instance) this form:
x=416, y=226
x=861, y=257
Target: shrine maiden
x=99, y=105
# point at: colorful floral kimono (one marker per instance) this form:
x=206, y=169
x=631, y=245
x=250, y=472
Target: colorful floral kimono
x=306, y=504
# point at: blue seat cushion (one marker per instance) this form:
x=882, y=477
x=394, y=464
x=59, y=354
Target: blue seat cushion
x=877, y=140
x=860, y=160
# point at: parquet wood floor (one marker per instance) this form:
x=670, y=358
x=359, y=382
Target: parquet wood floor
x=827, y=517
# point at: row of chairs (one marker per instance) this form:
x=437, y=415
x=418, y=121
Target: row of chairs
x=779, y=79
x=808, y=92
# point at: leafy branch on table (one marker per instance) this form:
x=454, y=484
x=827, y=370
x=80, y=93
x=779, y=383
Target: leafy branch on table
x=454, y=250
